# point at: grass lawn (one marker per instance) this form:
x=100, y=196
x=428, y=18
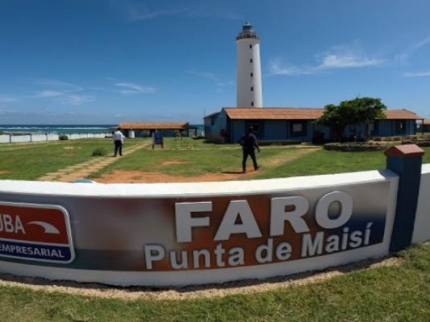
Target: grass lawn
x=186, y=157
x=30, y=161
x=194, y=157
x=394, y=293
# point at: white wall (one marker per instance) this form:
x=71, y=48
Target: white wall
x=38, y=137
x=125, y=219
x=4, y=138
x=20, y=138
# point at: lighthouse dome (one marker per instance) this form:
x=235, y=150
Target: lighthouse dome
x=247, y=32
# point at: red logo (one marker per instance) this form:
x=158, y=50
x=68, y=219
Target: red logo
x=24, y=228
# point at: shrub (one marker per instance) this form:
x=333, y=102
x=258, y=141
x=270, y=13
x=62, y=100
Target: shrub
x=99, y=152
x=63, y=137
x=354, y=147
x=318, y=137
x=422, y=143
x=278, y=142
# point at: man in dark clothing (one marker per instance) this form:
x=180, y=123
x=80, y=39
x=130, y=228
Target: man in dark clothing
x=249, y=143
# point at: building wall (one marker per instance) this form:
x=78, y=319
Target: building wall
x=301, y=130
x=237, y=130
x=275, y=130
x=215, y=125
x=394, y=127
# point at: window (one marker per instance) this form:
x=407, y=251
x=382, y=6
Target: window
x=255, y=127
x=298, y=128
x=250, y=60
x=400, y=126
x=252, y=74
x=252, y=103
x=250, y=46
x=252, y=89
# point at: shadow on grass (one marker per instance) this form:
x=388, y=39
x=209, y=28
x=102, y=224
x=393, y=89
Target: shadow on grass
x=232, y=172
x=245, y=286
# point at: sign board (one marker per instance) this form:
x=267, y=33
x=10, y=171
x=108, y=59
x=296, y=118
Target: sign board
x=223, y=232
x=191, y=233
x=35, y=232
x=158, y=137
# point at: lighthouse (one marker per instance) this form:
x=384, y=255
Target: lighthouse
x=248, y=78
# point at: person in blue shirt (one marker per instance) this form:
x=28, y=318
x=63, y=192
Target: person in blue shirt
x=249, y=143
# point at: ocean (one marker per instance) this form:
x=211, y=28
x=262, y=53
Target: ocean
x=68, y=129
x=57, y=128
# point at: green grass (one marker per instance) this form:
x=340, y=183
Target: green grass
x=397, y=293
x=194, y=157
x=190, y=158
x=30, y=161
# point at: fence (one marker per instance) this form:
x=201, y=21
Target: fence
x=10, y=138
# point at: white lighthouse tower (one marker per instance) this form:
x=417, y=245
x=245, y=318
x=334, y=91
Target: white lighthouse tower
x=248, y=81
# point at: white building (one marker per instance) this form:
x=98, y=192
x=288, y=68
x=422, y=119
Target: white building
x=248, y=78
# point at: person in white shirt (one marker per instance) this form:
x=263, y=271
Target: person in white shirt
x=118, y=140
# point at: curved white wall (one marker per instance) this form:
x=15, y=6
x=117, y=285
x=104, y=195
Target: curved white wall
x=248, y=63
x=189, y=233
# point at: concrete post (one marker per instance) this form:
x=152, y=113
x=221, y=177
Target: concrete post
x=406, y=161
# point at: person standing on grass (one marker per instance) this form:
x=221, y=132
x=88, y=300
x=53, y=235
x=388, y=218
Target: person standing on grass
x=118, y=140
x=249, y=144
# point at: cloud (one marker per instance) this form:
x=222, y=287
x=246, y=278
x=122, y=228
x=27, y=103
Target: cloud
x=212, y=77
x=7, y=99
x=61, y=92
x=60, y=85
x=338, y=57
x=213, y=15
x=47, y=93
x=417, y=74
x=421, y=44
x=347, y=60
x=146, y=14
x=75, y=99
x=276, y=67
x=135, y=11
x=132, y=88
x=410, y=51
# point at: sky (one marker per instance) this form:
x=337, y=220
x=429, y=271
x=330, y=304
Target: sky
x=112, y=61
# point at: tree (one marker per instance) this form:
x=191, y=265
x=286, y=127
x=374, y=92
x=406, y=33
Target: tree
x=359, y=111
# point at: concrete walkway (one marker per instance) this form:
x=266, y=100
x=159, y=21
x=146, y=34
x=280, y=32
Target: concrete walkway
x=83, y=170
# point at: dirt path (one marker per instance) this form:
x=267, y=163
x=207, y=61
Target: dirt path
x=129, y=176
x=83, y=170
